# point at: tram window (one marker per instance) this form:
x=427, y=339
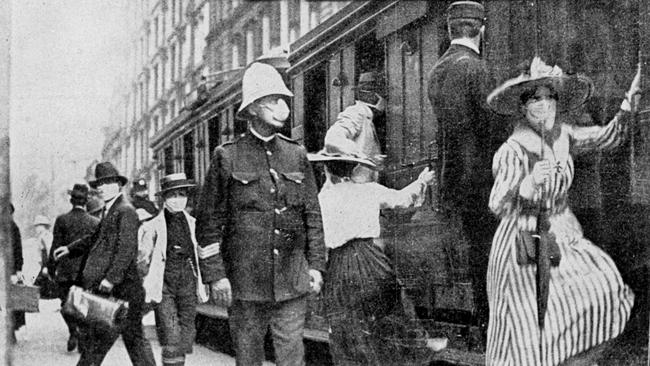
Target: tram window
x=315, y=99
x=370, y=56
x=188, y=155
x=169, y=159
x=213, y=133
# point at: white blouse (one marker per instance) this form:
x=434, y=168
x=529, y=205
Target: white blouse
x=351, y=210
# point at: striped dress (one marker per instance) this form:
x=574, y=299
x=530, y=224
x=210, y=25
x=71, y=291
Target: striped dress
x=588, y=302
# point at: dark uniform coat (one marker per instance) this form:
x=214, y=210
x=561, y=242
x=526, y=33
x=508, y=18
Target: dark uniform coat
x=259, y=221
x=112, y=249
x=468, y=138
x=145, y=209
x=67, y=228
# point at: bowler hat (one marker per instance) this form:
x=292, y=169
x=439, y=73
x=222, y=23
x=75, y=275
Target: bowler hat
x=466, y=10
x=105, y=171
x=174, y=181
x=79, y=191
x=139, y=185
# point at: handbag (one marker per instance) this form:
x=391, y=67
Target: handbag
x=96, y=309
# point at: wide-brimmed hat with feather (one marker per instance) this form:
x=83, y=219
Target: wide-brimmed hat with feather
x=572, y=90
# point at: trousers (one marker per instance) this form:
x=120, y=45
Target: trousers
x=249, y=322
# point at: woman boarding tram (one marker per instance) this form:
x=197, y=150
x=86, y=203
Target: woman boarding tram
x=588, y=303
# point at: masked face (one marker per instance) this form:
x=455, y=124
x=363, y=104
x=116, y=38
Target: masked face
x=540, y=109
x=274, y=111
x=108, y=190
x=176, y=201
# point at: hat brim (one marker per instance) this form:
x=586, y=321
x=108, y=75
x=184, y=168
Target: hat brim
x=180, y=186
x=572, y=91
x=324, y=157
x=95, y=183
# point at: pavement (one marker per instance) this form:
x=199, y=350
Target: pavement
x=42, y=342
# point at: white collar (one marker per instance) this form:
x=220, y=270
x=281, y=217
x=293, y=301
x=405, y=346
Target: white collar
x=263, y=138
x=110, y=203
x=467, y=43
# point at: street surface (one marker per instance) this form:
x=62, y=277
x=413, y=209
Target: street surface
x=43, y=343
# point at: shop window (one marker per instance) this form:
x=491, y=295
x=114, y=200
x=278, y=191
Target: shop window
x=315, y=123
x=213, y=133
x=370, y=56
x=169, y=159
x=188, y=155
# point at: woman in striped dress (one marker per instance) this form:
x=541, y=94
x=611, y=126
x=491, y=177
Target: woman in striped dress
x=588, y=303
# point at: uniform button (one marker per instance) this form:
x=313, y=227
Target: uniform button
x=272, y=190
x=276, y=252
x=276, y=231
x=268, y=153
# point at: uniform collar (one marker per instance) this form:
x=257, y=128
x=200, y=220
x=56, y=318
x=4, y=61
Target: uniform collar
x=263, y=138
x=467, y=43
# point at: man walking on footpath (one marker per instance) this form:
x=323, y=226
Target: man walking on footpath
x=69, y=227
x=259, y=226
x=111, y=268
x=145, y=209
x=458, y=87
x=168, y=258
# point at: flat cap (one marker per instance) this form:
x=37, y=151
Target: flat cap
x=466, y=10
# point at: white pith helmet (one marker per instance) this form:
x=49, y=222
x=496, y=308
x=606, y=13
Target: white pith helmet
x=260, y=80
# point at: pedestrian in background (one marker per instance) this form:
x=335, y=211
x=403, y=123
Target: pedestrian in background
x=111, y=268
x=467, y=139
x=145, y=209
x=259, y=226
x=16, y=267
x=73, y=225
x=169, y=262
x=95, y=205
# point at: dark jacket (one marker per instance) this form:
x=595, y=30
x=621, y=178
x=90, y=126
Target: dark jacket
x=17, y=247
x=259, y=206
x=112, y=249
x=67, y=228
x=468, y=137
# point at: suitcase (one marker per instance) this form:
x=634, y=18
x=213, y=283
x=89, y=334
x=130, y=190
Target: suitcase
x=23, y=297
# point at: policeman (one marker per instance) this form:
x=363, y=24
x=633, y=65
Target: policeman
x=259, y=226
x=145, y=209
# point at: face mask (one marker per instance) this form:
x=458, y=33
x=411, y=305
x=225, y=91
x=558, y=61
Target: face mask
x=542, y=111
x=176, y=204
x=279, y=111
x=108, y=191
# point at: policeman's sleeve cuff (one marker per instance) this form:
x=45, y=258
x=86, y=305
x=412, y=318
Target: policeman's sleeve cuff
x=209, y=250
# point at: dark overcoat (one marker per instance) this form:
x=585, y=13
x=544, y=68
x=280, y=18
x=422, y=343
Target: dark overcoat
x=259, y=222
x=468, y=133
x=112, y=250
x=69, y=227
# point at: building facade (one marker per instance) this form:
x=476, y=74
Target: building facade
x=183, y=51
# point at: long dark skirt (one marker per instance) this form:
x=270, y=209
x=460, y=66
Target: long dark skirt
x=368, y=321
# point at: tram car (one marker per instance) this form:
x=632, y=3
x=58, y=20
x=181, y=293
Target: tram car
x=403, y=40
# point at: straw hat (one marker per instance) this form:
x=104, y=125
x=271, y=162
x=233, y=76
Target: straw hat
x=572, y=90
x=174, y=181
